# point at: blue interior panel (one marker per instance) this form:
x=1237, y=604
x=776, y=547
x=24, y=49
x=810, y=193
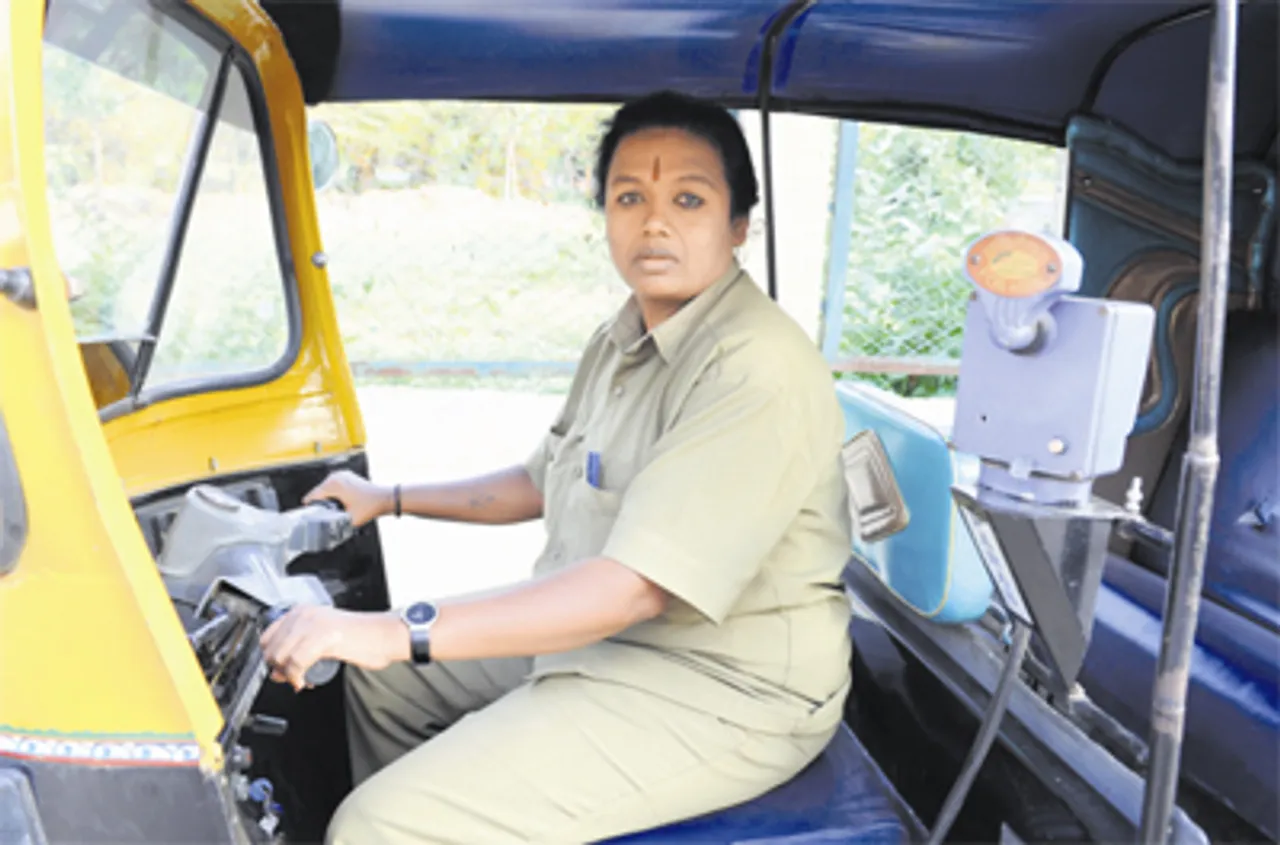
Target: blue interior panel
x=513, y=50
x=842, y=797
x=1232, y=738
x=1242, y=568
x=1020, y=69
x=932, y=563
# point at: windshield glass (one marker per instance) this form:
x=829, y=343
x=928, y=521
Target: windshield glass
x=124, y=87
x=154, y=167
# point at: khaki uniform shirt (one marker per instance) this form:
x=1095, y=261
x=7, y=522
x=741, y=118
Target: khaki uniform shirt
x=720, y=479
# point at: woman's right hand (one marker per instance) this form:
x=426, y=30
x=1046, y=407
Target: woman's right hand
x=360, y=497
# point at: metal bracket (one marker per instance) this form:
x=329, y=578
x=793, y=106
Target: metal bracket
x=16, y=284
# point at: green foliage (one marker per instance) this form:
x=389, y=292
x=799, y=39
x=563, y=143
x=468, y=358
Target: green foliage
x=507, y=150
x=920, y=197
x=465, y=231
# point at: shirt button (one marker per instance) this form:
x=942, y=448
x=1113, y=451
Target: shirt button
x=577, y=472
x=617, y=390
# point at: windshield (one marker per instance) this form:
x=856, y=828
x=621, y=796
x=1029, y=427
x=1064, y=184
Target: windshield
x=146, y=193
x=123, y=96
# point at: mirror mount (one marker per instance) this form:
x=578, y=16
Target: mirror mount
x=322, y=145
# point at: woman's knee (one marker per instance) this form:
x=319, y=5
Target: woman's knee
x=351, y=823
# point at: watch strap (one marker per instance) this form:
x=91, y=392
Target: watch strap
x=420, y=645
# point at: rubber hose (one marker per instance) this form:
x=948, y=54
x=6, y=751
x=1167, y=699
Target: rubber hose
x=987, y=732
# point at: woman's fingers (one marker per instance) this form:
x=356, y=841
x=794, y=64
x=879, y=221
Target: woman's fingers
x=294, y=643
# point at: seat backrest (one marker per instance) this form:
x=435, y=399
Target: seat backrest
x=931, y=564
x=1242, y=568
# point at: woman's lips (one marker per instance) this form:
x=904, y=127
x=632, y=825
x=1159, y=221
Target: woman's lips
x=655, y=260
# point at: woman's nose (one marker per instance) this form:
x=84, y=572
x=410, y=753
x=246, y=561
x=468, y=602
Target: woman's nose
x=655, y=224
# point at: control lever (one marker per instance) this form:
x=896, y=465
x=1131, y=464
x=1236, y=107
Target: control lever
x=322, y=671
x=264, y=725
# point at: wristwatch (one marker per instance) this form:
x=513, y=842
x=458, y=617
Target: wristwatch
x=420, y=616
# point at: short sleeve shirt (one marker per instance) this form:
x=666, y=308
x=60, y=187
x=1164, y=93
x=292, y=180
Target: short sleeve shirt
x=706, y=456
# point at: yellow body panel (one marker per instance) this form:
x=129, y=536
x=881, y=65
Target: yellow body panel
x=311, y=411
x=90, y=645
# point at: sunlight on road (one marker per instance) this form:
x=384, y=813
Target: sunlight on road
x=418, y=434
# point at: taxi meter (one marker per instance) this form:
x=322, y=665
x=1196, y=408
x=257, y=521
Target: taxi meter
x=1048, y=392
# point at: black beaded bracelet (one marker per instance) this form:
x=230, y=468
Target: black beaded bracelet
x=395, y=492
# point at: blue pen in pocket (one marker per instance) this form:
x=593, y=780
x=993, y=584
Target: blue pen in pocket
x=593, y=469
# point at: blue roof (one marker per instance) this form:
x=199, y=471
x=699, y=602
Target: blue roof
x=1017, y=67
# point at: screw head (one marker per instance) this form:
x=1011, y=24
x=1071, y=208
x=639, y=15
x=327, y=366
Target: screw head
x=1057, y=446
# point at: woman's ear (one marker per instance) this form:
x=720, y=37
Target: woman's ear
x=738, y=227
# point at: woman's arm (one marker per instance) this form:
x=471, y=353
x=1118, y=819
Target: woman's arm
x=499, y=498
x=567, y=609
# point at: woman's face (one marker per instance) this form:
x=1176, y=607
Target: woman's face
x=667, y=218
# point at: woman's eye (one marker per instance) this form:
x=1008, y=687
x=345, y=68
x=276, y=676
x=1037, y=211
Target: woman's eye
x=690, y=201
x=628, y=198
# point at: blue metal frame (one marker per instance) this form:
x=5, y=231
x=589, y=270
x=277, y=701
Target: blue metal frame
x=840, y=240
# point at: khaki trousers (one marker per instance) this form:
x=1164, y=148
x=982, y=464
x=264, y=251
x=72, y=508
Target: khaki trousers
x=559, y=760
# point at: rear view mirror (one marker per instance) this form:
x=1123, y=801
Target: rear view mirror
x=875, y=501
x=322, y=143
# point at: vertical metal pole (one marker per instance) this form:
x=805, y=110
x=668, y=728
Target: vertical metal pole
x=1200, y=462
x=770, y=227
x=767, y=55
x=840, y=239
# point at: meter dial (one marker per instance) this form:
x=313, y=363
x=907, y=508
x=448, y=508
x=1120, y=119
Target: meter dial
x=1013, y=264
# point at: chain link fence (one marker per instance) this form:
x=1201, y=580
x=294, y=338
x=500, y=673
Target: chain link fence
x=919, y=198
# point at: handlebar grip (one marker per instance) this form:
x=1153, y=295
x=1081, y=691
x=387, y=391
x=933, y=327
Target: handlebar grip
x=322, y=671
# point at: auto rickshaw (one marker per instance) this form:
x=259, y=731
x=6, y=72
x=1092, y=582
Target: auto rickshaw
x=1067, y=611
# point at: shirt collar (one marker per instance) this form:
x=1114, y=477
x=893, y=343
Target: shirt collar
x=627, y=330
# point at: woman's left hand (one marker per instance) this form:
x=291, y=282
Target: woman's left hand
x=306, y=634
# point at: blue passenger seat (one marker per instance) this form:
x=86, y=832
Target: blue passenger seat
x=1233, y=705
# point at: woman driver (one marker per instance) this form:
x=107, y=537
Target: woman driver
x=683, y=643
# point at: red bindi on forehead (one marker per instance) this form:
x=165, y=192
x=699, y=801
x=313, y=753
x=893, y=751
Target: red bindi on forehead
x=657, y=168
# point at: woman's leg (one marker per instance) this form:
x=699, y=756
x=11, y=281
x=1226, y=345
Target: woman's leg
x=565, y=760
x=392, y=711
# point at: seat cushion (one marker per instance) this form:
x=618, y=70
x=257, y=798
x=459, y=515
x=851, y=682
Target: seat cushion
x=931, y=564
x=1233, y=695
x=841, y=797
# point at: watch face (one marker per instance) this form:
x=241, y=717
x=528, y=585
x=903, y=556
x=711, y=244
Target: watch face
x=420, y=613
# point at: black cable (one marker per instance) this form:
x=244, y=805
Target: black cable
x=986, y=735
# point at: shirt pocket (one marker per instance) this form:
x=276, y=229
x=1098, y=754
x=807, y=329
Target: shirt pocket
x=590, y=516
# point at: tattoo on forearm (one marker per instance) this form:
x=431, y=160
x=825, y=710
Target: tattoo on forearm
x=481, y=501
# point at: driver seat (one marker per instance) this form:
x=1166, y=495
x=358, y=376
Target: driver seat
x=841, y=797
